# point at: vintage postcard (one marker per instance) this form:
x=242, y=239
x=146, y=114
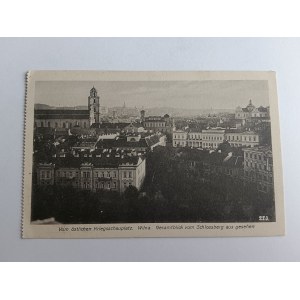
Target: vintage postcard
x=152, y=154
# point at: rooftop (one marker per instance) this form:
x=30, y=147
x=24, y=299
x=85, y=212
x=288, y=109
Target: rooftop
x=61, y=114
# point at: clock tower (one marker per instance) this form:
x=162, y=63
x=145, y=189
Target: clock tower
x=94, y=106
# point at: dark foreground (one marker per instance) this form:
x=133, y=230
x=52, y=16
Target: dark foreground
x=172, y=192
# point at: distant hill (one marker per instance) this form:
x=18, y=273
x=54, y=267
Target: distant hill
x=153, y=111
x=179, y=112
x=45, y=106
x=42, y=106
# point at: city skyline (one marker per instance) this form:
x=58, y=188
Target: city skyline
x=153, y=94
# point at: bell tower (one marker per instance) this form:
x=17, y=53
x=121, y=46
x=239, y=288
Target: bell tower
x=94, y=106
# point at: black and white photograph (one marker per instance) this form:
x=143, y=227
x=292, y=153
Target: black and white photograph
x=157, y=153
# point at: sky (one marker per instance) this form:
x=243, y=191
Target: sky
x=215, y=94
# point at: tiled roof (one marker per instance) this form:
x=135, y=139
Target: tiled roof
x=152, y=140
x=262, y=109
x=105, y=162
x=121, y=142
x=61, y=114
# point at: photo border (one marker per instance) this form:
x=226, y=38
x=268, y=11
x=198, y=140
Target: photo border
x=156, y=229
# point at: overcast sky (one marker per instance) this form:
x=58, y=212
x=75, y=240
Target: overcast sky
x=177, y=94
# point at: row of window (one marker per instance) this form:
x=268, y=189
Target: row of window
x=255, y=156
x=180, y=136
x=213, y=138
x=215, y=145
x=56, y=125
x=242, y=138
x=255, y=165
x=87, y=174
x=155, y=124
x=45, y=174
x=107, y=185
x=259, y=176
x=252, y=115
x=218, y=138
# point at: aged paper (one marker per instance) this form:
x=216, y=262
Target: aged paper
x=151, y=154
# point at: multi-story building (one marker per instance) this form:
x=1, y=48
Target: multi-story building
x=68, y=118
x=250, y=111
x=206, y=138
x=212, y=138
x=180, y=138
x=194, y=138
x=157, y=123
x=242, y=138
x=133, y=141
x=117, y=127
x=258, y=167
x=106, y=171
x=227, y=164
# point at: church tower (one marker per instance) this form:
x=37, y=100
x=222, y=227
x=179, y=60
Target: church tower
x=94, y=106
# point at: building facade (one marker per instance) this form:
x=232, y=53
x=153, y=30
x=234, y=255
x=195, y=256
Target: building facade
x=242, y=139
x=68, y=118
x=250, y=111
x=157, y=123
x=115, y=174
x=258, y=167
x=212, y=138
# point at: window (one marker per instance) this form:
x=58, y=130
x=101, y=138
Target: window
x=49, y=125
x=108, y=185
x=130, y=174
x=108, y=174
x=114, y=185
x=84, y=124
x=115, y=174
x=42, y=174
x=125, y=174
x=42, y=124
x=64, y=125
